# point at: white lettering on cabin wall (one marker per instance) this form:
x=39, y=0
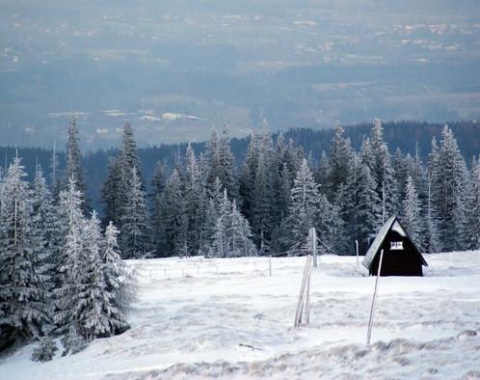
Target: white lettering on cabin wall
x=396, y=245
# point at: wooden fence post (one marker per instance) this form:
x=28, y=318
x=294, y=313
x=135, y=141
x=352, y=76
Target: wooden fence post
x=374, y=300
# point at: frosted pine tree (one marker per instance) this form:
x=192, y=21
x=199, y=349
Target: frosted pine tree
x=416, y=170
x=158, y=223
x=227, y=166
x=135, y=232
x=195, y=202
x=241, y=243
x=450, y=192
x=433, y=242
x=247, y=176
x=45, y=227
x=368, y=204
x=231, y=235
x=210, y=161
x=74, y=166
x=24, y=299
x=128, y=152
x=71, y=261
x=411, y=215
x=341, y=161
x=119, y=280
x=102, y=301
x=262, y=202
x=117, y=193
x=208, y=227
x=111, y=193
x=400, y=165
x=219, y=246
x=96, y=301
x=175, y=217
x=473, y=214
x=304, y=207
x=383, y=174
x=45, y=219
x=282, y=183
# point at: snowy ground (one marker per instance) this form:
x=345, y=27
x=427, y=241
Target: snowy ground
x=208, y=318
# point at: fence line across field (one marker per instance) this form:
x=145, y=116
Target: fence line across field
x=199, y=267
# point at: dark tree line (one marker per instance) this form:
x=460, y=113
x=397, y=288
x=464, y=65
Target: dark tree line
x=280, y=192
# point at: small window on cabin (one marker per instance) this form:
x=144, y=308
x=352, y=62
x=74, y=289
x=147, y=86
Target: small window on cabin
x=396, y=245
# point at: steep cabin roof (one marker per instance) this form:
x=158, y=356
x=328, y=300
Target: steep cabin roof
x=400, y=256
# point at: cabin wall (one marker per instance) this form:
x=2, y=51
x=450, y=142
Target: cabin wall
x=400, y=257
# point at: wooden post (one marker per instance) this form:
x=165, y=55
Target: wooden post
x=307, y=301
x=374, y=300
x=356, y=251
x=314, y=246
x=270, y=265
x=304, y=298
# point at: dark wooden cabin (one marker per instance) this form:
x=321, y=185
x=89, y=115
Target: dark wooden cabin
x=400, y=255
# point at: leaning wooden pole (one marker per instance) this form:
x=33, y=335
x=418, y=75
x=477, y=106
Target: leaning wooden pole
x=307, y=298
x=374, y=300
x=303, y=295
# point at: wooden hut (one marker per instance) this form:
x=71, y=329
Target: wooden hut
x=400, y=255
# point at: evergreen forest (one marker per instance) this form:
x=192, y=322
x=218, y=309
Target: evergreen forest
x=63, y=273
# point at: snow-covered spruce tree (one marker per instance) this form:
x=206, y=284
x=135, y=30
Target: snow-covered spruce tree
x=282, y=195
x=473, y=213
x=400, y=165
x=54, y=177
x=44, y=218
x=135, y=230
x=45, y=227
x=247, y=175
x=74, y=167
x=383, y=174
x=102, y=315
x=220, y=162
x=231, y=237
x=261, y=219
x=368, y=205
x=304, y=207
x=336, y=173
x=282, y=182
x=175, y=217
x=72, y=263
x=219, y=245
x=119, y=280
x=96, y=302
x=208, y=227
x=195, y=202
x=157, y=212
x=287, y=160
x=24, y=299
x=227, y=165
x=90, y=302
x=450, y=192
x=341, y=163
x=433, y=243
x=241, y=243
x=111, y=193
x=411, y=214
x=117, y=191
x=128, y=151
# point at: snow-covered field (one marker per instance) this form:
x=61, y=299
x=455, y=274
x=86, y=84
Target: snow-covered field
x=213, y=318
